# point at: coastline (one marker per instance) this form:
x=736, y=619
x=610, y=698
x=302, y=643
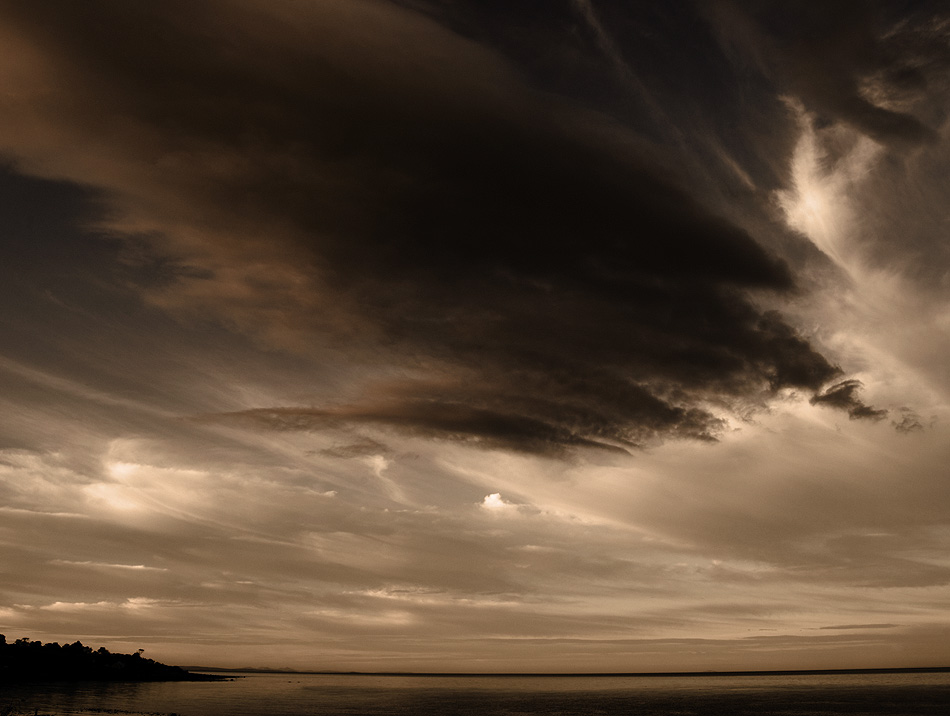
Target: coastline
x=606, y=674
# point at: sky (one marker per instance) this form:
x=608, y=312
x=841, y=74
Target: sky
x=477, y=335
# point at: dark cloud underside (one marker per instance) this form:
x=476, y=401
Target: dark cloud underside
x=539, y=275
x=843, y=396
x=825, y=53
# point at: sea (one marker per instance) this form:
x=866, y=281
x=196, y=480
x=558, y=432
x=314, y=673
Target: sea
x=256, y=694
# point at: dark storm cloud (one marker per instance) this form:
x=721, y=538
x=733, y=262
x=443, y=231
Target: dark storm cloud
x=538, y=271
x=843, y=396
x=852, y=61
x=357, y=448
x=532, y=391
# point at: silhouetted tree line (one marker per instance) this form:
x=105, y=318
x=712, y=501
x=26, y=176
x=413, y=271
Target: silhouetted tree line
x=26, y=660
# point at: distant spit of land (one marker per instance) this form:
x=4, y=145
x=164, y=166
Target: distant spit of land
x=788, y=672
x=25, y=660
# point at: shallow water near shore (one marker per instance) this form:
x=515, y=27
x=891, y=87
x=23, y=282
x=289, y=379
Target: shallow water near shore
x=299, y=694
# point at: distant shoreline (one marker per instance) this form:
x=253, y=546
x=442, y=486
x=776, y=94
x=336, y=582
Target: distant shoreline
x=605, y=674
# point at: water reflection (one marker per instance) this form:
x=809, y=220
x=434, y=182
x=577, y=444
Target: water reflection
x=299, y=694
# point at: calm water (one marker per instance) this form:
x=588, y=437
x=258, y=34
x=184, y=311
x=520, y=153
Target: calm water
x=299, y=695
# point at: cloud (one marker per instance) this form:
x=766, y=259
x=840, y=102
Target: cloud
x=852, y=62
x=843, y=396
x=497, y=504
x=431, y=212
x=357, y=239
x=559, y=402
x=909, y=422
x=359, y=448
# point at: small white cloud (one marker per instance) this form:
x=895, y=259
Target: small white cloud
x=495, y=503
x=122, y=470
x=76, y=606
x=106, y=565
x=378, y=464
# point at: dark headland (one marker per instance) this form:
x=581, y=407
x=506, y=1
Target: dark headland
x=25, y=661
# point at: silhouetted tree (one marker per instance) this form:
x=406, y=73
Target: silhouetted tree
x=26, y=660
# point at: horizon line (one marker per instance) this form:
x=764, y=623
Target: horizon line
x=754, y=672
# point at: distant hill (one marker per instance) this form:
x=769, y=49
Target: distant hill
x=26, y=660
